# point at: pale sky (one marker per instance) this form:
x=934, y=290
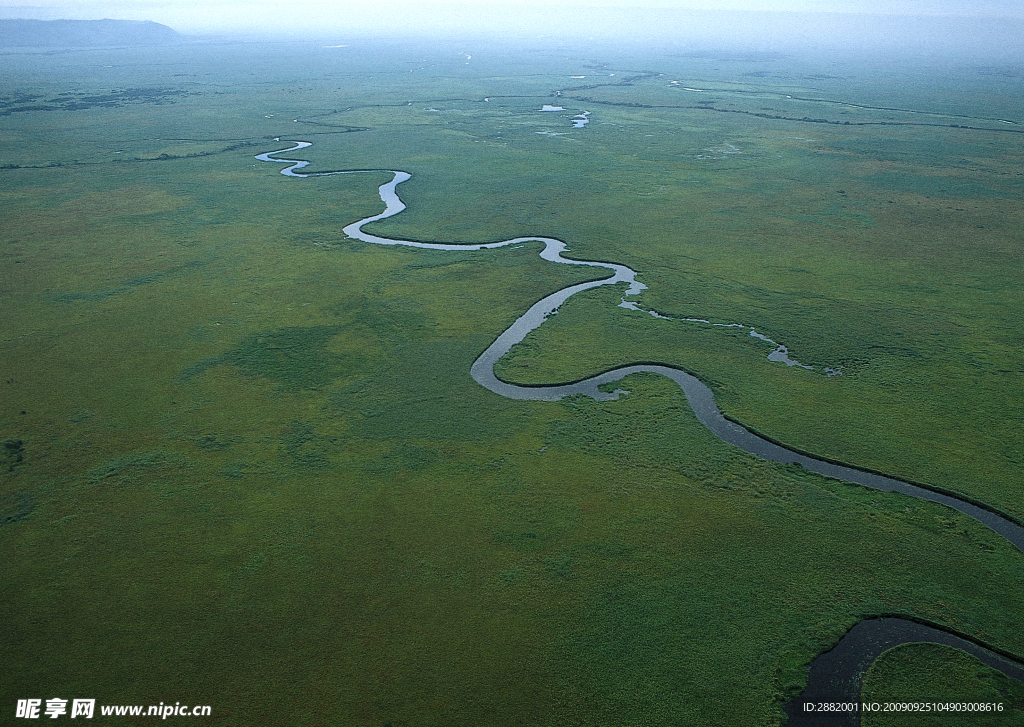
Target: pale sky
x=581, y=17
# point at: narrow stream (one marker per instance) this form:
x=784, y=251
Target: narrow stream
x=835, y=676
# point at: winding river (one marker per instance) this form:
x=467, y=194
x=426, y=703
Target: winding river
x=834, y=676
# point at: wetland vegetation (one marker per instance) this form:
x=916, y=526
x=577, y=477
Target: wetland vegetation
x=246, y=464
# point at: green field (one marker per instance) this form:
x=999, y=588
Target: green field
x=935, y=674
x=246, y=465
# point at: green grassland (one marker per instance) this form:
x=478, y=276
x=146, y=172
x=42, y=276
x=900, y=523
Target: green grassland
x=952, y=677
x=246, y=465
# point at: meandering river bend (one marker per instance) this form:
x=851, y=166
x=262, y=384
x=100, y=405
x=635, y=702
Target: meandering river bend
x=835, y=676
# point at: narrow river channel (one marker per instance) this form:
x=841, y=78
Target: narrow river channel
x=835, y=676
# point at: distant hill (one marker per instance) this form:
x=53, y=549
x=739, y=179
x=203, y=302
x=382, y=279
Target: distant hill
x=83, y=33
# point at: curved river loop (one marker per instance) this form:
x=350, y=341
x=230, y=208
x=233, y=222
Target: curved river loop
x=836, y=675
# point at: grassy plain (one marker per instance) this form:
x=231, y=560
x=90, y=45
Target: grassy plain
x=252, y=470
x=949, y=676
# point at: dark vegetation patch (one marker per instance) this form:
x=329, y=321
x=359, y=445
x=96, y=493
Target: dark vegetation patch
x=293, y=358
x=82, y=100
x=162, y=157
x=1009, y=71
x=199, y=367
x=304, y=446
x=392, y=321
x=211, y=443
x=13, y=453
x=131, y=284
x=79, y=416
x=18, y=506
x=129, y=468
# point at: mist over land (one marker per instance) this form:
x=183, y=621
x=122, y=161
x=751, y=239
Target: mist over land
x=937, y=30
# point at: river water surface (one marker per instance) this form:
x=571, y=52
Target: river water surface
x=835, y=676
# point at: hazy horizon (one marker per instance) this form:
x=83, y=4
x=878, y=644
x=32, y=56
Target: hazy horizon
x=988, y=29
